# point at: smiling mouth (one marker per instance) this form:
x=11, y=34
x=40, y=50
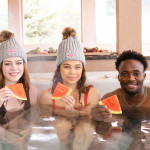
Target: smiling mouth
x=14, y=74
x=131, y=85
x=71, y=78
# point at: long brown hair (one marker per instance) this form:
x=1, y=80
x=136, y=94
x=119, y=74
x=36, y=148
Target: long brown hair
x=25, y=80
x=81, y=86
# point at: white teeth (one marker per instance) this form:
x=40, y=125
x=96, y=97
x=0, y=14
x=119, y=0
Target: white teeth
x=13, y=74
x=131, y=86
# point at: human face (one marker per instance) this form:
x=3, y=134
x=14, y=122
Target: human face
x=13, y=69
x=131, y=76
x=71, y=72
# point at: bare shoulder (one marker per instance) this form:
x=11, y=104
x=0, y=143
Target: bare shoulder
x=45, y=97
x=33, y=88
x=93, y=96
x=117, y=92
x=34, y=95
x=94, y=91
x=148, y=91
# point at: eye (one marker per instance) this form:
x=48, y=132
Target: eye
x=7, y=64
x=78, y=67
x=124, y=74
x=67, y=67
x=137, y=74
x=19, y=63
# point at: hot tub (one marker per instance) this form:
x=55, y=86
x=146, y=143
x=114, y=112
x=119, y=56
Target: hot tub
x=103, y=81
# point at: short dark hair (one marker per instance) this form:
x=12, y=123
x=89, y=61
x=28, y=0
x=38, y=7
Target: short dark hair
x=130, y=54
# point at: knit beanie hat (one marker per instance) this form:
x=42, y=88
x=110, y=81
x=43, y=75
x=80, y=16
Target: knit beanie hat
x=70, y=47
x=9, y=47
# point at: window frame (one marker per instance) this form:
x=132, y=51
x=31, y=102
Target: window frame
x=128, y=23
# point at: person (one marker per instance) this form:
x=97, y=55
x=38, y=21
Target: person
x=13, y=70
x=131, y=67
x=70, y=71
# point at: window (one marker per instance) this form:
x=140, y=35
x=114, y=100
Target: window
x=3, y=14
x=106, y=24
x=145, y=27
x=44, y=20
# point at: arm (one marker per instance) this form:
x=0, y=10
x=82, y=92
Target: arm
x=68, y=102
x=45, y=103
x=45, y=97
x=92, y=100
x=93, y=97
x=34, y=95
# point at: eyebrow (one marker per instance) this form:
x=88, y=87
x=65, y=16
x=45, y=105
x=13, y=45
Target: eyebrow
x=11, y=61
x=75, y=64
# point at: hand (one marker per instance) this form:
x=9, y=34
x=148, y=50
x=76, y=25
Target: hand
x=69, y=102
x=5, y=94
x=100, y=113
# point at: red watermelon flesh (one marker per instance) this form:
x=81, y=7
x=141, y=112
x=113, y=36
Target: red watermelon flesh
x=18, y=91
x=112, y=103
x=60, y=91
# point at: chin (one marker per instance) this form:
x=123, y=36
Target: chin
x=15, y=80
x=72, y=82
x=131, y=92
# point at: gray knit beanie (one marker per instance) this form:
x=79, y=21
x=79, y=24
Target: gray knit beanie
x=9, y=47
x=70, y=47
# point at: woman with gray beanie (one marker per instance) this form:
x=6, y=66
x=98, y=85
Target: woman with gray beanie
x=13, y=70
x=70, y=71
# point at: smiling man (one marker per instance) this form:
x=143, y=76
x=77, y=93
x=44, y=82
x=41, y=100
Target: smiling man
x=131, y=67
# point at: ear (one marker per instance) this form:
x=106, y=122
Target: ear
x=144, y=75
x=118, y=77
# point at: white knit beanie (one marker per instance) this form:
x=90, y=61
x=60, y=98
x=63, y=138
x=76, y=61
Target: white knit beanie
x=70, y=48
x=9, y=47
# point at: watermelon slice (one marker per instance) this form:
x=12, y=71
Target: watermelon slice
x=112, y=103
x=60, y=91
x=18, y=91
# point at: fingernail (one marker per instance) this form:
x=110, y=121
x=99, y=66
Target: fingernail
x=105, y=106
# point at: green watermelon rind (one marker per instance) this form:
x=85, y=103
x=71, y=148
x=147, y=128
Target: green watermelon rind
x=111, y=111
x=58, y=98
x=20, y=98
x=17, y=97
x=115, y=112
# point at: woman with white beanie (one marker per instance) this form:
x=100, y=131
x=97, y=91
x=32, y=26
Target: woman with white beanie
x=70, y=71
x=13, y=70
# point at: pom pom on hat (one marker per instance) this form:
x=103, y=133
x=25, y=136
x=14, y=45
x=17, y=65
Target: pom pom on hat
x=70, y=48
x=68, y=32
x=9, y=47
x=5, y=35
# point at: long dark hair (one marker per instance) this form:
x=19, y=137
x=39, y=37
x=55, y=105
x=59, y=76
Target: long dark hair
x=81, y=86
x=25, y=80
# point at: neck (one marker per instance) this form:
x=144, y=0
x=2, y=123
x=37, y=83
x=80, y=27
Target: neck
x=9, y=83
x=137, y=99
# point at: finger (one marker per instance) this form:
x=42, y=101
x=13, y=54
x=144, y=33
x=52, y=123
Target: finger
x=102, y=117
x=5, y=93
x=101, y=114
x=4, y=97
x=69, y=100
x=5, y=90
x=104, y=114
x=103, y=108
x=69, y=106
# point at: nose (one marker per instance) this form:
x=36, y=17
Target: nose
x=13, y=66
x=131, y=77
x=72, y=70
